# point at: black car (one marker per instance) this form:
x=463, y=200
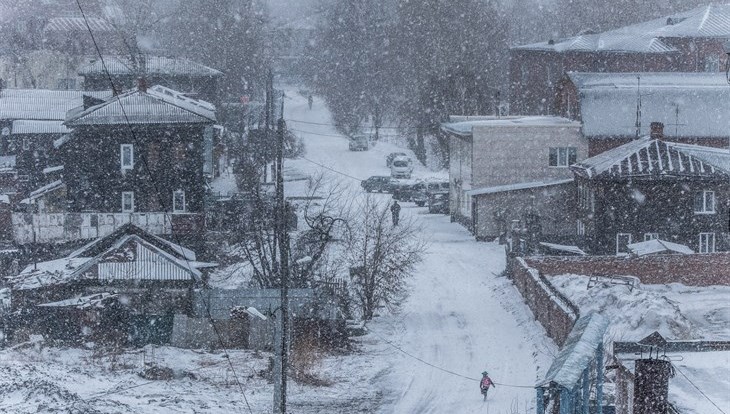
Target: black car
x=406, y=192
x=421, y=196
x=378, y=184
x=438, y=202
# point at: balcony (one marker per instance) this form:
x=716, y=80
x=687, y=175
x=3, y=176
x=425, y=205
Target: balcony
x=67, y=227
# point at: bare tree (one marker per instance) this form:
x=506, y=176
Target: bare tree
x=381, y=256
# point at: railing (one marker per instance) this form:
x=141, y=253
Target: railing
x=64, y=227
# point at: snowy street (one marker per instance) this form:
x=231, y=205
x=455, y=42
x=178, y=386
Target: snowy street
x=461, y=317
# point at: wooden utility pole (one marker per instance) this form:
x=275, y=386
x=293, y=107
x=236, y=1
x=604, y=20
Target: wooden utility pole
x=282, y=230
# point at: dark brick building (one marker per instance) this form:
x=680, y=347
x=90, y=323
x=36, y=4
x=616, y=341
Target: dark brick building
x=690, y=41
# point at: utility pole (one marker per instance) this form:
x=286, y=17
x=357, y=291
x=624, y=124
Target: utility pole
x=282, y=229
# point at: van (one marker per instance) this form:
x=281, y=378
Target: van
x=359, y=142
x=402, y=167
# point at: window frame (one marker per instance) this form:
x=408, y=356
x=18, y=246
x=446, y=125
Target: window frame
x=709, y=237
x=704, y=202
x=131, y=199
x=174, y=204
x=618, y=235
x=651, y=236
x=562, y=157
x=130, y=148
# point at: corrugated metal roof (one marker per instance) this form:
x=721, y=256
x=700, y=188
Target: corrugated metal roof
x=39, y=127
x=69, y=24
x=689, y=104
x=648, y=157
x=152, y=107
x=466, y=127
x=712, y=20
x=155, y=65
x=42, y=104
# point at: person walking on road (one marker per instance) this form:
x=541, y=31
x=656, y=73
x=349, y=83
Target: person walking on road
x=310, y=101
x=485, y=383
x=395, y=211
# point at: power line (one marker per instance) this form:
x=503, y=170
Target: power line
x=316, y=133
x=337, y=126
x=162, y=202
x=446, y=370
x=698, y=389
x=332, y=169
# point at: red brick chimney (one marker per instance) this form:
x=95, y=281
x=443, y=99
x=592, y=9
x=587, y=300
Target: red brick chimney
x=657, y=130
x=142, y=84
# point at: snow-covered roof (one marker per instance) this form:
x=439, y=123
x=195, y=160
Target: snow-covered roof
x=689, y=104
x=42, y=104
x=35, y=194
x=157, y=105
x=467, y=126
x=82, y=302
x=711, y=21
x=154, y=65
x=658, y=246
x=7, y=161
x=49, y=273
x=4, y=198
x=517, y=186
x=49, y=170
x=577, y=352
x=646, y=157
x=39, y=127
x=564, y=248
x=67, y=24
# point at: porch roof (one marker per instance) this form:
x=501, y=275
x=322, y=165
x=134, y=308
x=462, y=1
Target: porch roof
x=654, y=158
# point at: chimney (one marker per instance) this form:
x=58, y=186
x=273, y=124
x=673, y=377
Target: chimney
x=657, y=130
x=142, y=84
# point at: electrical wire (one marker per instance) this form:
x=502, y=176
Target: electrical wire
x=337, y=126
x=332, y=169
x=698, y=389
x=163, y=203
x=446, y=370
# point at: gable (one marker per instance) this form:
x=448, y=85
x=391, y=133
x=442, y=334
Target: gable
x=134, y=259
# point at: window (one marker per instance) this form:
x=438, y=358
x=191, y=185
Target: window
x=705, y=202
x=622, y=241
x=562, y=156
x=581, y=228
x=707, y=242
x=127, y=201
x=712, y=63
x=127, y=156
x=178, y=201
x=651, y=236
x=26, y=144
x=586, y=198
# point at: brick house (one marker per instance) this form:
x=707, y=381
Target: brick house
x=693, y=106
x=651, y=188
x=503, y=169
x=690, y=41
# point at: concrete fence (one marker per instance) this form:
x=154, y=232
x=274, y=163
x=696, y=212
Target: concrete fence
x=554, y=311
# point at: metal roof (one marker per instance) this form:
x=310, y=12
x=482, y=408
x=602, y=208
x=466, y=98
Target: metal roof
x=38, y=127
x=42, y=104
x=712, y=20
x=67, y=24
x=655, y=158
x=154, y=65
x=155, y=106
x=466, y=127
x=689, y=104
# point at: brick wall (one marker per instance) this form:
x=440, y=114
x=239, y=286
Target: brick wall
x=553, y=310
x=691, y=270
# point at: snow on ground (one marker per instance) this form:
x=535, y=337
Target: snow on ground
x=676, y=311
x=461, y=318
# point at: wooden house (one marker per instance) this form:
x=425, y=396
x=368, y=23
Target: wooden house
x=145, y=279
x=651, y=188
x=194, y=79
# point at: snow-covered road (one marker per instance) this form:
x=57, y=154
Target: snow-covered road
x=461, y=317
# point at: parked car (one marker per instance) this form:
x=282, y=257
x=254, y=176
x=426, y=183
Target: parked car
x=405, y=192
x=393, y=155
x=359, y=142
x=420, y=196
x=402, y=167
x=438, y=202
x=379, y=184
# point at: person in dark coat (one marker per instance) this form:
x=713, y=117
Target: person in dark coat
x=395, y=211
